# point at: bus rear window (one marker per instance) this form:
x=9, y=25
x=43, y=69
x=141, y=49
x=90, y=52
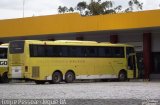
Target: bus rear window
x=16, y=47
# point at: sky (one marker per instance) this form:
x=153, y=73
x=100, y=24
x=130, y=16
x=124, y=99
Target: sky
x=14, y=8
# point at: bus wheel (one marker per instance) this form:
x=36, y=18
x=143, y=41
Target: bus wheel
x=4, y=78
x=0, y=79
x=56, y=77
x=69, y=77
x=122, y=76
x=39, y=82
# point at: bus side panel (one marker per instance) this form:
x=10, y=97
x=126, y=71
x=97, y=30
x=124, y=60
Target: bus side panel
x=103, y=67
x=118, y=64
x=81, y=66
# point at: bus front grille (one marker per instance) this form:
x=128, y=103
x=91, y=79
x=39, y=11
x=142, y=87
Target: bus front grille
x=35, y=72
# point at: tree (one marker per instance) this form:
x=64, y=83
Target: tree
x=107, y=5
x=71, y=9
x=118, y=9
x=59, y=9
x=134, y=4
x=81, y=6
x=93, y=8
x=62, y=9
x=97, y=7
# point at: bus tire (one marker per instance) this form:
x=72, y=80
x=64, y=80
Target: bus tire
x=69, y=77
x=122, y=75
x=4, y=78
x=57, y=77
x=0, y=79
x=39, y=82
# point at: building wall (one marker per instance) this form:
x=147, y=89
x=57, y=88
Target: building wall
x=156, y=41
x=156, y=53
x=133, y=38
x=99, y=37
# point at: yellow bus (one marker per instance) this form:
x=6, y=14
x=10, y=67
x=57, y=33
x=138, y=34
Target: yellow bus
x=68, y=60
x=3, y=63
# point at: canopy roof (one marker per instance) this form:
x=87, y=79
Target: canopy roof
x=73, y=22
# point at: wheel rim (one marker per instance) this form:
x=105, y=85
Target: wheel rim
x=56, y=78
x=122, y=76
x=70, y=77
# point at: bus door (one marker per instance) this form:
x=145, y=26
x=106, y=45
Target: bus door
x=131, y=61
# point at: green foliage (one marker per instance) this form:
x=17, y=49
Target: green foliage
x=98, y=7
x=134, y=5
x=62, y=9
x=81, y=6
x=95, y=8
x=71, y=9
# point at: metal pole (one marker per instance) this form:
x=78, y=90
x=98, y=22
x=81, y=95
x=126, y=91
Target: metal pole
x=23, y=7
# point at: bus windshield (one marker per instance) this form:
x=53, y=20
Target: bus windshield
x=16, y=47
x=3, y=53
x=129, y=50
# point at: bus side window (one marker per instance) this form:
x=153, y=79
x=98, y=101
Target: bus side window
x=64, y=51
x=33, y=50
x=91, y=51
x=118, y=52
x=49, y=51
x=37, y=51
x=73, y=51
x=56, y=51
x=76, y=51
x=104, y=52
x=41, y=51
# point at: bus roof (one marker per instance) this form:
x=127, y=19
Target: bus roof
x=5, y=45
x=75, y=42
